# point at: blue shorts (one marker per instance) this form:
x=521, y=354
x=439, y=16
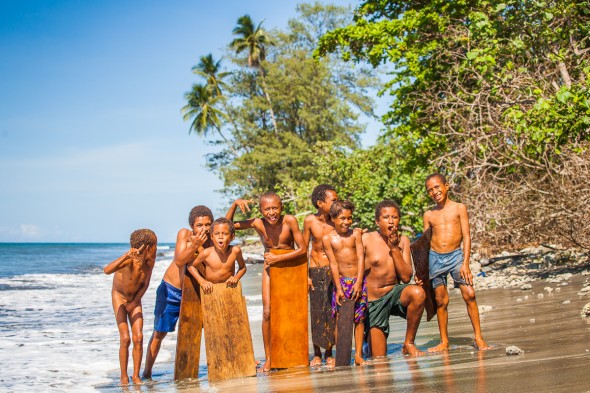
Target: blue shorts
x=441, y=265
x=167, y=308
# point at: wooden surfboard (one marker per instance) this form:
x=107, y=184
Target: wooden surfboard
x=419, y=250
x=228, y=341
x=289, y=345
x=345, y=328
x=188, y=342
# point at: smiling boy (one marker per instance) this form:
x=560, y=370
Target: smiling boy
x=278, y=232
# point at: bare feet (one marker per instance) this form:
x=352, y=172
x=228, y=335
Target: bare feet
x=330, y=362
x=265, y=368
x=412, y=350
x=146, y=375
x=316, y=361
x=359, y=361
x=136, y=380
x=439, y=348
x=480, y=344
x=124, y=380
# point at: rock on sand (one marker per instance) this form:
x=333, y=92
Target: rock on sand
x=513, y=350
x=586, y=310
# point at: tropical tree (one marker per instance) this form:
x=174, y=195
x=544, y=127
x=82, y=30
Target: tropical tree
x=210, y=69
x=253, y=39
x=202, y=108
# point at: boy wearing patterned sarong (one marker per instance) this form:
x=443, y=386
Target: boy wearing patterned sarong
x=344, y=248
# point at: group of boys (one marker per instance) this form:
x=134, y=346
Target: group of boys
x=374, y=269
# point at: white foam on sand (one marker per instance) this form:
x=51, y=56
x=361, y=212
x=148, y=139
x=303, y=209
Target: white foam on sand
x=58, y=332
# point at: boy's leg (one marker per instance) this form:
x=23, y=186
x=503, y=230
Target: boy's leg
x=266, y=318
x=152, y=352
x=378, y=342
x=441, y=297
x=317, y=356
x=412, y=298
x=330, y=360
x=136, y=321
x=359, y=333
x=124, y=340
x=468, y=294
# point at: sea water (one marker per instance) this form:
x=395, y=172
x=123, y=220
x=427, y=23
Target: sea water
x=57, y=327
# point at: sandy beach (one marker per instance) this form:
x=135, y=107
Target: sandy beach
x=545, y=323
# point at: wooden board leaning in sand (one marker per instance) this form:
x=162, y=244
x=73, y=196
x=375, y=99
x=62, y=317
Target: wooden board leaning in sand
x=345, y=326
x=228, y=341
x=289, y=345
x=420, y=248
x=188, y=342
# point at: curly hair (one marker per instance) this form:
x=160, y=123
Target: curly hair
x=223, y=220
x=142, y=237
x=338, y=206
x=383, y=204
x=319, y=193
x=199, y=211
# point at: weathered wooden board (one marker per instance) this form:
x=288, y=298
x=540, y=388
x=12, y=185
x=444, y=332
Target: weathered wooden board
x=289, y=345
x=228, y=341
x=420, y=249
x=320, y=307
x=345, y=329
x=188, y=342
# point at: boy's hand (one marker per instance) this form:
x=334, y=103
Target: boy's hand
x=339, y=296
x=310, y=284
x=232, y=281
x=199, y=238
x=207, y=287
x=356, y=290
x=270, y=258
x=418, y=282
x=361, y=230
x=466, y=274
x=394, y=237
x=131, y=305
x=135, y=253
x=243, y=204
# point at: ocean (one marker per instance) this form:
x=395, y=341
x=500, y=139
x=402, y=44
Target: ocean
x=57, y=328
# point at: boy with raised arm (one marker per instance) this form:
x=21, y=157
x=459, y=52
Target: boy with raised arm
x=450, y=228
x=389, y=266
x=276, y=231
x=133, y=271
x=315, y=227
x=344, y=248
x=189, y=242
x=219, y=260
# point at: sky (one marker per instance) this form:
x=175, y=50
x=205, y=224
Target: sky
x=92, y=141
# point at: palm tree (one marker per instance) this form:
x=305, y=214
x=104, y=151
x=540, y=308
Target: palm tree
x=209, y=69
x=201, y=108
x=253, y=39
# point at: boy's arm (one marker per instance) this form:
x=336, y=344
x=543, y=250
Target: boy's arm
x=464, y=220
x=233, y=280
x=123, y=261
x=271, y=258
x=360, y=257
x=188, y=246
x=192, y=269
x=426, y=221
x=243, y=205
x=306, y=238
x=333, y=267
x=402, y=260
x=144, y=287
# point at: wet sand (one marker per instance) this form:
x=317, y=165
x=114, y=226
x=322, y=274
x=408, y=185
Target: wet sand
x=556, y=341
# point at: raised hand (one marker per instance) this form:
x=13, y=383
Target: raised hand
x=394, y=237
x=135, y=254
x=199, y=238
x=243, y=204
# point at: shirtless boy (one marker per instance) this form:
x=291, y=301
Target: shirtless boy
x=450, y=227
x=315, y=227
x=189, y=243
x=389, y=270
x=219, y=260
x=278, y=232
x=344, y=248
x=133, y=271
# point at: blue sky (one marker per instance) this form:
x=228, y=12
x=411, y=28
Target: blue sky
x=92, y=143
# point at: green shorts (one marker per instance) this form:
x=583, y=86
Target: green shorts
x=379, y=310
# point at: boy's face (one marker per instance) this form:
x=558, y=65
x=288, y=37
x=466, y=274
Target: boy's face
x=221, y=237
x=325, y=205
x=271, y=209
x=202, y=224
x=388, y=220
x=343, y=221
x=437, y=190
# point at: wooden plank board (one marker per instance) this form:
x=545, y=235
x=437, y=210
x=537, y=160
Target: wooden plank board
x=345, y=329
x=188, y=342
x=228, y=341
x=419, y=250
x=320, y=307
x=289, y=340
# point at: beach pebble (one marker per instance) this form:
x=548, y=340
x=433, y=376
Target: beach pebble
x=566, y=302
x=585, y=310
x=525, y=287
x=557, y=289
x=585, y=289
x=548, y=289
x=585, y=272
x=563, y=284
x=483, y=308
x=513, y=350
